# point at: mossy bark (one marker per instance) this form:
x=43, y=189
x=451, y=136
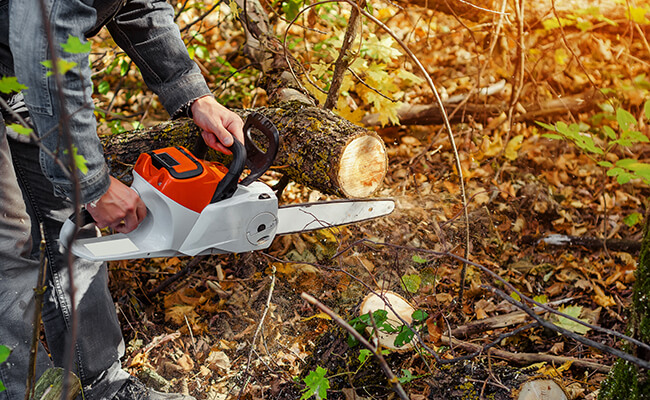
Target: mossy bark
x=50, y=386
x=626, y=380
x=312, y=144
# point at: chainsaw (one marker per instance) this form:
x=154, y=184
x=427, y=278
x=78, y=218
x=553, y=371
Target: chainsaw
x=197, y=207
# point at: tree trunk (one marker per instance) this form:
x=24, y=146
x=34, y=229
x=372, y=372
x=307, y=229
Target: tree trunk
x=317, y=149
x=626, y=380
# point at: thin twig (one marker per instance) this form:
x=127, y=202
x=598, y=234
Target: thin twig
x=343, y=61
x=397, y=387
x=39, y=293
x=257, y=331
x=447, y=125
x=76, y=192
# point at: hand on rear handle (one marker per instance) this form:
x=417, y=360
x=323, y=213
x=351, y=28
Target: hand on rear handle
x=119, y=208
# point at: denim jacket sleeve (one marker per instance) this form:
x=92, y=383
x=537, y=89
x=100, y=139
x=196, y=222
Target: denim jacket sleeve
x=146, y=31
x=58, y=113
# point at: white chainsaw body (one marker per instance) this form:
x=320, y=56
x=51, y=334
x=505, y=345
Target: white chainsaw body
x=247, y=221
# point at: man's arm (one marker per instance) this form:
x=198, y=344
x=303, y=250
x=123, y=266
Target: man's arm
x=67, y=110
x=146, y=31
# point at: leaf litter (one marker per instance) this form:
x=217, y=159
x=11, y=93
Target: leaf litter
x=196, y=334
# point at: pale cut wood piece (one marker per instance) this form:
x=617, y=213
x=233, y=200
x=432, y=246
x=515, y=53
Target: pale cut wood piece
x=362, y=167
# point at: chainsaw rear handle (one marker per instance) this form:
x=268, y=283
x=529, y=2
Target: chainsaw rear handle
x=70, y=226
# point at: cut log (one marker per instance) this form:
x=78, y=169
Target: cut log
x=317, y=149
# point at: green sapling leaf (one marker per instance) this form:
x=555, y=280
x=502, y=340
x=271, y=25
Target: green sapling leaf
x=625, y=119
x=317, y=384
x=21, y=130
x=419, y=315
x=632, y=219
x=75, y=46
x=63, y=66
x=405, y=336
x=411, y=283
x=4, y=353
x=9, y=84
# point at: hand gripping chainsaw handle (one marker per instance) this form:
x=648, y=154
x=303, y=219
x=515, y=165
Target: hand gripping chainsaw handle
x=249, y=154
x=257, y=159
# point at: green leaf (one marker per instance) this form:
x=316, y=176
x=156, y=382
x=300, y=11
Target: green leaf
x=569, y=325
x=405, y=336
x=553, y=136
x=625, y=119
x=632, y=219
x=75, y=46
x=624, y=178
x=605, y=164
x=291, y=8
x=545, y=125
x=543, y=299
x=63, y=66
x=609, y=132
x=363, y=355
x=21, y=130
x=615, y=171
x=103, y=87
x=317, y=384
x=419, y=315
x=411, y=283
x=635, y=136
x=79, y=160
x=515, y=296
x=9, y=84
x=4, y=353
x=124, y=67
x=419, y=260
x=407, y=376
x=646, y=109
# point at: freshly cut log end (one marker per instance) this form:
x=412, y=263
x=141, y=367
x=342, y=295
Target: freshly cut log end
x=362, y=167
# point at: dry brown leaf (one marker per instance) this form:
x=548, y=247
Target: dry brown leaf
x=185, y=362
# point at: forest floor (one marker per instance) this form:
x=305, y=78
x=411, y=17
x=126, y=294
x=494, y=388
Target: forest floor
x=235, y=326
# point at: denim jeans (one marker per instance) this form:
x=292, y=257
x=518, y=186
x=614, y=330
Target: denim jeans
x=27, y=200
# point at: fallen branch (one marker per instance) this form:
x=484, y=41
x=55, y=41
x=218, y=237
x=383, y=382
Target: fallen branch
x=527, y=358
x=497, y=322
x=429, y=114
x=625, y=245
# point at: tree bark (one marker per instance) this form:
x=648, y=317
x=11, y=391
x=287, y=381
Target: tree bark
x=50, y=386
x=317, y=149
x=626, y=380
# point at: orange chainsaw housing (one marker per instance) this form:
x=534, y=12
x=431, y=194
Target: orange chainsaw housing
x=179, y=175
